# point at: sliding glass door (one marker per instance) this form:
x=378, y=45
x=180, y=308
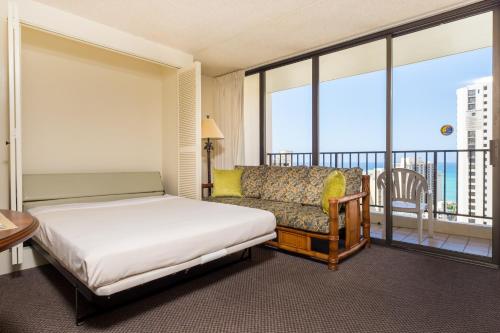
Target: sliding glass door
x=418, y=101
x=442, y=126
x=352, y=108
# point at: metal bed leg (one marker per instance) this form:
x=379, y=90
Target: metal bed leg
x=78, y=320
x=246, y=254
x=81, y=318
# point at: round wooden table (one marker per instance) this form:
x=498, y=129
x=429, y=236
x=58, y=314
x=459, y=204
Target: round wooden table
x=26, y=226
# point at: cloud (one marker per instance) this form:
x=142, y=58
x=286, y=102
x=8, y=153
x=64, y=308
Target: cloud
x=484, y=79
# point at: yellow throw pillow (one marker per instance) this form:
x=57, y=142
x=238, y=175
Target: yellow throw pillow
x=227, y=183
x=334, y=187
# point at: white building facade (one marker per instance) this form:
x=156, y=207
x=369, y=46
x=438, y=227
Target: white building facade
x=474, y=131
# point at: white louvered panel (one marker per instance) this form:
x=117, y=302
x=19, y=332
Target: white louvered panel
x=189, y=131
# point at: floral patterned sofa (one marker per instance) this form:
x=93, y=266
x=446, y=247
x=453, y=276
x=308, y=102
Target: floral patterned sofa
x=293, y=195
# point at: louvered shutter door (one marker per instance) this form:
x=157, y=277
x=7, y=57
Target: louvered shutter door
x=189, y=131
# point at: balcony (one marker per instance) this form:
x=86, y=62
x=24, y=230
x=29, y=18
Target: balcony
x=461, y=202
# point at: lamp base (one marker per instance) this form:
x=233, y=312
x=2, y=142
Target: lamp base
x=209, y=147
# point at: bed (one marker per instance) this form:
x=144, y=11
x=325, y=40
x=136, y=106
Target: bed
x=110, y=233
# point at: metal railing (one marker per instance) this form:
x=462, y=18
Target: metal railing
x=460, y=179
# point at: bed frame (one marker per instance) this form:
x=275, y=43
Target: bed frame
x=102, y=304
x=48, y=189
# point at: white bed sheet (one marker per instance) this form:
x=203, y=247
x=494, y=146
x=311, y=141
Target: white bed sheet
x=104, y=244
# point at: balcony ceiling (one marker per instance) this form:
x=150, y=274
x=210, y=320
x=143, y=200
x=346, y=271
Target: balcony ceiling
x=227, y=35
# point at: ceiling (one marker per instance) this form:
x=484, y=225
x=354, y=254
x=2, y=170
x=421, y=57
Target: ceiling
x=227, y=35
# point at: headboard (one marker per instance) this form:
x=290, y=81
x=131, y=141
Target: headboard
x=48, y=189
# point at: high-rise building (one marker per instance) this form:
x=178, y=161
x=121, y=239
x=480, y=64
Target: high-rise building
x=376, y=197
x=474, y=126
x=426, y=170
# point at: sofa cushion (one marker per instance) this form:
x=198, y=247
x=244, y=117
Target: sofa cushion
x=279, y=209
x=288, y=214
x=353, y=179
x=310, y=218
x=230, y=200
x=252, y=180
x=285, y=184
x=316, y=177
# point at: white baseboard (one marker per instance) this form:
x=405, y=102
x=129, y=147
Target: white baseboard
x=31, y=259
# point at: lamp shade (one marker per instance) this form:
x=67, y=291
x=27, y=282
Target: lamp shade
x=210, y=130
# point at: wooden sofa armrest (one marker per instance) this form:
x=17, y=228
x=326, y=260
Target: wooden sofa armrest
x=347, y=198
x=354, y=219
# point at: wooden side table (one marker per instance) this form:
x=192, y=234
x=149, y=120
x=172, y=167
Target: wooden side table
x=26, y=227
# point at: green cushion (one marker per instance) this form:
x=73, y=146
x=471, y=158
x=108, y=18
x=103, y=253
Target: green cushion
x=227, y=183
x=334, y=187
x=313, y=191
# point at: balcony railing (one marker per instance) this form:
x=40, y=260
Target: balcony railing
x=460, y=179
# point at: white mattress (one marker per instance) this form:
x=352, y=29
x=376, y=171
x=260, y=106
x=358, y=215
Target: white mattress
x=112, y=246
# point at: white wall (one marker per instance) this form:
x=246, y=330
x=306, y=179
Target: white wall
x=67, y=24
x=251, y=119
x=86, y=109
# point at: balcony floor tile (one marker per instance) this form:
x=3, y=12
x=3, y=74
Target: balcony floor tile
x=456, y=243
x=433, y=242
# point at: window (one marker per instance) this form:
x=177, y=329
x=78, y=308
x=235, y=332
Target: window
x=352, y=86
x=289, y=113
x=432, y=87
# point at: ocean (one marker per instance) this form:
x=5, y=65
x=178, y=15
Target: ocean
x=451, y=175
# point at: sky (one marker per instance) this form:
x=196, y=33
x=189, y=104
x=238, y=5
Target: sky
x=352, y=110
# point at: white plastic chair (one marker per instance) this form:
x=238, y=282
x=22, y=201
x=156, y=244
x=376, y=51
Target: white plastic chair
x=408, y=189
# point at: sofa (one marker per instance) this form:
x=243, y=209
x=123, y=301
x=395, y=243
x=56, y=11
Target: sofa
x=293, y=195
